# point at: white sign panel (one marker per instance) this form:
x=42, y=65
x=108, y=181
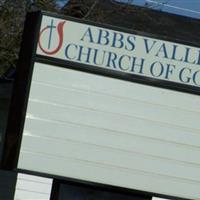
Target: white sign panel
x=32, y=188
x=115, y=50
x=106, y=130
x=109, y=131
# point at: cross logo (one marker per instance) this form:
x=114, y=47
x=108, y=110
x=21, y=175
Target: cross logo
x=48, y=31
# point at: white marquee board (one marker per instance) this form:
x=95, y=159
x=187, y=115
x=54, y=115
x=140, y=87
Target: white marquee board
x=105, y=130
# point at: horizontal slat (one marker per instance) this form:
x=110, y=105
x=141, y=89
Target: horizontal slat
x=58, y=77
x=93, y=98
x=34, y=186
x=107, y=103
x=108, y=175
x=114, y=156
x=44, y=127
x=118, y=123
x=36, y=179
x=30, y=195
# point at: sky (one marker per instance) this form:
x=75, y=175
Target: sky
x=189, y=8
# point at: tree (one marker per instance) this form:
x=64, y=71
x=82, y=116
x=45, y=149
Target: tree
x=11, y=20
x=79, y=8
x=12, y=16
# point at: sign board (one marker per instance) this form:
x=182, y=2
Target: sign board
x=108, y=106
x=119, y=51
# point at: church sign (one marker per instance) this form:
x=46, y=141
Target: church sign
x=107, y=106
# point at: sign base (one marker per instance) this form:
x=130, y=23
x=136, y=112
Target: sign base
x=74, y=191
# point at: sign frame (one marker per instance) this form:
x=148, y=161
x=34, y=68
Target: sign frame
x=18, y=106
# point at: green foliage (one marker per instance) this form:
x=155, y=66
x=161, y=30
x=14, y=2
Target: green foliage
x=49, y=5
x=12, y=16
x=79, y=8
x=10, y=31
